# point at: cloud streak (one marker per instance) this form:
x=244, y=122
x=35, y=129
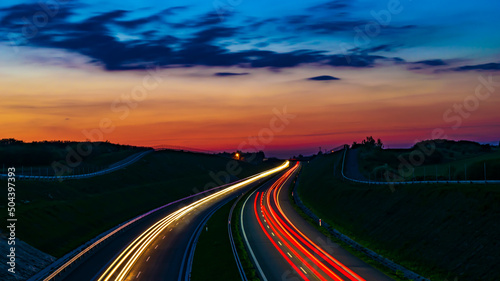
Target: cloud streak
x=479, y=67
x=229, y=74
x=323, y=78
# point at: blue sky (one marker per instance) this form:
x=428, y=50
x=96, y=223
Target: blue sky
x=458, y=32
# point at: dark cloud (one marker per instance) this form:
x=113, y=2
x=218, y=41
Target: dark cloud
x=174, y=10
x=278, y=60
x=211, y=34
x=202, y=21
x=108, y=16
x=331, y=5
x=204, y=54
x=95, y=38
x=207, y=19
x=354, y=60
x=479, y=67
x=323, y=78
x=255, y=23
x=378, y=48
x=18, y=16
x=397, y=60
x=330, y=26
x=434, y=62
x=226, y=74
x=131, y=24
x=297, y=19
x=356, y=27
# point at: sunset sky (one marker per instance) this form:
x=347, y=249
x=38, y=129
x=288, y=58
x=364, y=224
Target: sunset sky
x=212, y=74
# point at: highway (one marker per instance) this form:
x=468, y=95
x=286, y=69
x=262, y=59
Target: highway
x=397, y=179
x=114, y=167
x=284, y=246
x=159, y=246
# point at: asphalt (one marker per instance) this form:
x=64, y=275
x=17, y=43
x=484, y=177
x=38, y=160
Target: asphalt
x=162, y=260
x=270, y=262
x=274, y=266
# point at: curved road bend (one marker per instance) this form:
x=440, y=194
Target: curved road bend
x=286, y=247
x=154, y=248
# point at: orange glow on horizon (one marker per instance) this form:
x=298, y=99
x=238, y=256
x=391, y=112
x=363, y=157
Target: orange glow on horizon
x=190, y=107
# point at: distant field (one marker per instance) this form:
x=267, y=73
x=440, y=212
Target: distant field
x=438, y=231
x=448, y=161
x=56, y=217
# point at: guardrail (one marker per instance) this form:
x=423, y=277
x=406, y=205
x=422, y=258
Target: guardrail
x=416, y=182
x=241, y=270
x=346, y=239
x=188, y=258
x=60, y=265
x=117, y=166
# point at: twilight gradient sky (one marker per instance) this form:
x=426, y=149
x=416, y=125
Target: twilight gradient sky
x=210, y=74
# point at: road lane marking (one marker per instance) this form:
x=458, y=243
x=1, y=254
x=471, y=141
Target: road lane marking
x=246, y=239
x=289, y=254
x=138, y=274
x=332, y=261
x=280, y=243
x=303, y=270
x=128, y=257
x=156, y=246
x=272, y=233
x=163, y=237
x=148, y=258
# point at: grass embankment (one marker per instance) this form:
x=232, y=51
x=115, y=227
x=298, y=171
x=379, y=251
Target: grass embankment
x=56, y=217
x=213, y=258
x=444, y=160
x=215, y=255
x=438, y=231
x=36, y=158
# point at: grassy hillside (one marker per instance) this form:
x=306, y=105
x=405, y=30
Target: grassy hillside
x=56, y=217
x=448, y=160
x=441, y=232
x=36, y=158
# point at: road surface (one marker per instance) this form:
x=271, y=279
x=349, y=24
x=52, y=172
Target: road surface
x=159, y=246
x=286, y=247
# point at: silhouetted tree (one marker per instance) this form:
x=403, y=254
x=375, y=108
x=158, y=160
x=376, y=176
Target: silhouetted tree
x=370, y=141
x=10, y=141
x=379, y=143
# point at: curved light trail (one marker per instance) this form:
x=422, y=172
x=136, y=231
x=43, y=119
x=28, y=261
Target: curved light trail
x=310, y=261
x=121, y=266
